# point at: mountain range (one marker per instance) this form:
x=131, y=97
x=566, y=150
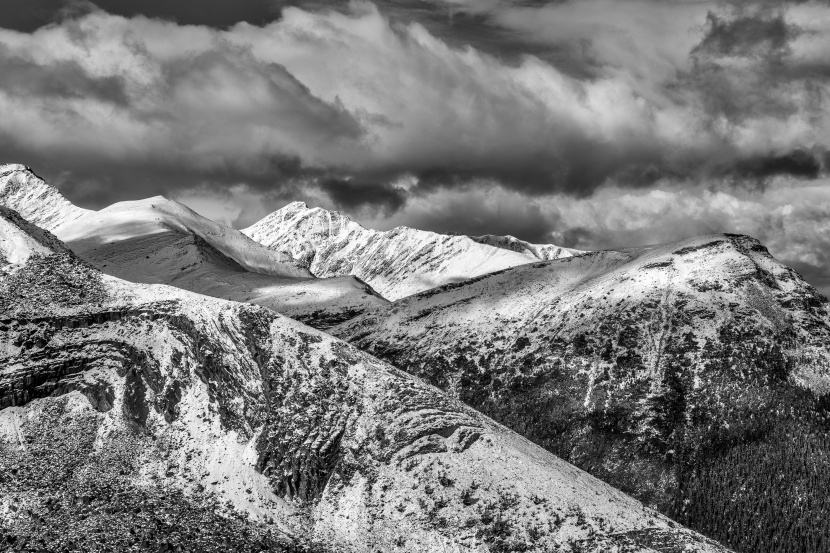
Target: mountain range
x=693, y=376
x=145, y=417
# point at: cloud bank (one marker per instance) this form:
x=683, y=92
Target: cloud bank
x=406, y=114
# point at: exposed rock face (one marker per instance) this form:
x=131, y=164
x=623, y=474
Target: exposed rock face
x=638, y=366
x=168, y=418
x=396, y=263
x=158, y=241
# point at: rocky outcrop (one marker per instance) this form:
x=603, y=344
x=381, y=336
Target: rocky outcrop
x=168, y=419
x=396, y=263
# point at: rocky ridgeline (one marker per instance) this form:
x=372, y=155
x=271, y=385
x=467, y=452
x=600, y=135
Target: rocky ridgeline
x=172, y=421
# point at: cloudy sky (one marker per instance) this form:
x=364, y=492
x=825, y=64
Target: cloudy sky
x=587, y=123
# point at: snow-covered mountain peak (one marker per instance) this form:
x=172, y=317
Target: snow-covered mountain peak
x=397, y=262
x=7, y=168
x=295, y=206
x=37, y=202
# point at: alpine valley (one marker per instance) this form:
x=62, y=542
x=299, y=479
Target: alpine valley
x=162, y=388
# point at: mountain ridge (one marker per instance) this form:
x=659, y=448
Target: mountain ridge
x=642, y=366
x=397, y=262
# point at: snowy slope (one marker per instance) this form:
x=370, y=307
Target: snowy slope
x=36, y=201
x=159, y=217
x=158, y=241
x=20, y=239
x=143, y=416
x=396, y=263
x=618, y=360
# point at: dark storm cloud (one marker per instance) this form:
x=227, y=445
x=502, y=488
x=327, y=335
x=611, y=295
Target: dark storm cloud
x=351, y=195
x=577, y=168
x=349, y=95
x=754, y=33
x=798, y=163
x=480, y=212
x=28, y=15
x=743, y=65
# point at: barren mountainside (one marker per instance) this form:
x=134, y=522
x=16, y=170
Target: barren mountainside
x=396, y=263
x=171, y=419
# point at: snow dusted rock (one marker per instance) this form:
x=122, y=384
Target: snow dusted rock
x=636, y=365
x=396, y=263
x=36, y=201
x=535, y=252
x=146, y=417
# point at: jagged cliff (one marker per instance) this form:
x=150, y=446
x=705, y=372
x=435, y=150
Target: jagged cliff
x=137, y=417
x=396, y=263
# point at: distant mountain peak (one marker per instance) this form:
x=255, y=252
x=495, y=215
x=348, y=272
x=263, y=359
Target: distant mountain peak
x=295, y=206
x=398, y=262
x=14, y=167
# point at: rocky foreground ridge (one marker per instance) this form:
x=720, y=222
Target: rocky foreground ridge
x=136, y=417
